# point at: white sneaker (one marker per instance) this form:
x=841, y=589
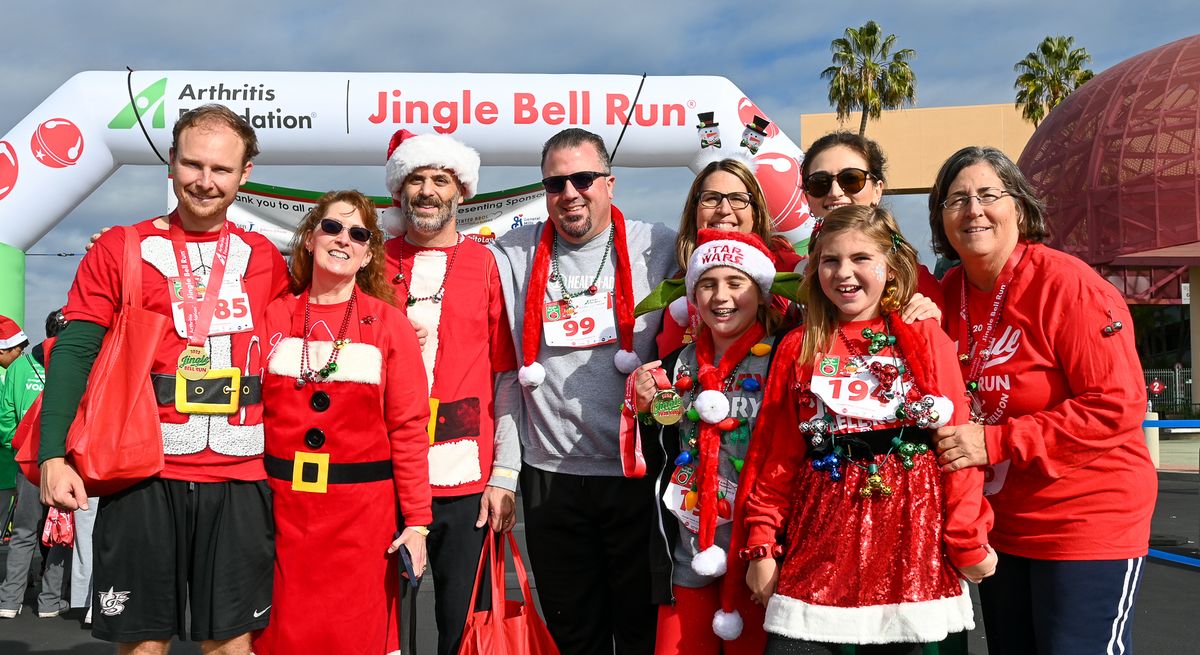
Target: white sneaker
x=50, y=615
x=10, y=614
x=87, y=618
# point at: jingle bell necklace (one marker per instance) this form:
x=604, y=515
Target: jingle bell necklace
x=592, y=289
x=309, y=375
x=441, y=291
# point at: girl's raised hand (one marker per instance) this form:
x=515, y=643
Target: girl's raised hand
x=643, y=384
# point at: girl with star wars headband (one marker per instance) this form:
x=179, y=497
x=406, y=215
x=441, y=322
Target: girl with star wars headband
x=854, y=535
x=697, y=411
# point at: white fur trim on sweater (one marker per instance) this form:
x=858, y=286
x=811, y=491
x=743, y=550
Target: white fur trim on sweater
x=437, y=151
x=945, y=409
x=452, y=463
x=727, y=625
x=710, y=562
x=923, y=621
x=358, y=362
x=532, y=375
x=626, y=361
x=712, y=406
x=679, y=311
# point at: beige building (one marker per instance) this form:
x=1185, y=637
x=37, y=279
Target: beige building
x=917, y=141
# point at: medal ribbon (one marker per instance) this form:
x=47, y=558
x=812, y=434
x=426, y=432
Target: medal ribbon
x=976, y=358
x=629, y=434
x=197, y=316
x=712, y=378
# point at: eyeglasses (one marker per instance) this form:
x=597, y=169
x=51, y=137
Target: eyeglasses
x=712, y=199
x=960, y=202
x=334, y=227
x=581, y=181
x=851, y=180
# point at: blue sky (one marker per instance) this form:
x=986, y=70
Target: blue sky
x=774, y=51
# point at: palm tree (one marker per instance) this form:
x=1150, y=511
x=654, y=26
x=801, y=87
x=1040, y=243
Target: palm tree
x=866, y=75
x=1046, y=76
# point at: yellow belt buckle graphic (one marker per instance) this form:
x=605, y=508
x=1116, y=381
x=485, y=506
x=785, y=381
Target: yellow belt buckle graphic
x=318, y=486
x=433, y=410
x=233, y=388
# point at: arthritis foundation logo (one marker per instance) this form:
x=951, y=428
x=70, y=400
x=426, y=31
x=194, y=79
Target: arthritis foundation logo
x=57, y=143
x=150, y=98
x=8, y=168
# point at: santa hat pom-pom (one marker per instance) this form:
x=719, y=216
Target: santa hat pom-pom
x=393, y=221
x=710, y=562
x=679, y=311
x=727, y=625
x=945, y=411
x=712, y=405
x=532, y=375
x=627, y=361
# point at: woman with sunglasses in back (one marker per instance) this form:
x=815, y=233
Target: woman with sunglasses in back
x=1047, y=351
x=843, y=168
x=346, y=413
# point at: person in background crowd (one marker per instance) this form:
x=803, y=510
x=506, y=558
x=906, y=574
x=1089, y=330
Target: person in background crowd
x=209, y=510
x=23, y=383
x=570, y=285
x=346, y=446
x=449, y=284
x=1047, y=351
x=11, y=338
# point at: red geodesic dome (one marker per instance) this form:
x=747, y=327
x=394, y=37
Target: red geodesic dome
x=1116, y=163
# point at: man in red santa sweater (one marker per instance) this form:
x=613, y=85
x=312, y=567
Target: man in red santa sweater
x=448, y=284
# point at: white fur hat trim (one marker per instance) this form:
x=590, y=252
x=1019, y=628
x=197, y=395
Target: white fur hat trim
x=437, y=151
x=735, y=254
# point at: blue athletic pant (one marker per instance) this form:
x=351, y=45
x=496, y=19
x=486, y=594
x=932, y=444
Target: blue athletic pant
x=1058, y=607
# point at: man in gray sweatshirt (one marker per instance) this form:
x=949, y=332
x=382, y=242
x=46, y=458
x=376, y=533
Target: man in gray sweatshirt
x=570, y=285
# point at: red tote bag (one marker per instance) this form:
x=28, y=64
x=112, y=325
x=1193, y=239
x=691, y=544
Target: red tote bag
x=510, y=627
x=115, y=440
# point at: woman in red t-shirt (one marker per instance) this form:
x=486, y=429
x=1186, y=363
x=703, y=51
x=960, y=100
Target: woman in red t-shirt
x=1047, y=352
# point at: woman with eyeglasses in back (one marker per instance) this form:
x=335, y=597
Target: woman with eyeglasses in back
x=346, y=413
x=1047, y=352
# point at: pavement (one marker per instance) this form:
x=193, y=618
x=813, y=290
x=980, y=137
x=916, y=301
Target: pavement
x=1165, y=622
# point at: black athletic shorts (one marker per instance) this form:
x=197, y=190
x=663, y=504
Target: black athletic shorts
x=164, y=545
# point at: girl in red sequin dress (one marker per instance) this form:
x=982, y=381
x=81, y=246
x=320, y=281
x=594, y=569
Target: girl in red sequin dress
x=876, y=543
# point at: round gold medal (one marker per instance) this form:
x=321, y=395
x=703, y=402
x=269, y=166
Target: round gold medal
x=193, y=363
x=666, y=407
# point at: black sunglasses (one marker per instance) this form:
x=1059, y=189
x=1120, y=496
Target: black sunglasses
x=581, y=181
x=334, y=227
x=851, y=180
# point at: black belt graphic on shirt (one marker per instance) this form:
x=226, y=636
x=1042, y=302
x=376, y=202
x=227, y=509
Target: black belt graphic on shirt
x=453, y=419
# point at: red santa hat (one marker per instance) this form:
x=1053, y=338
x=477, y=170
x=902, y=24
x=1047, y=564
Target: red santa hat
x=745, y=252
x=407, y=152
x=532, y=373
x=11, y=335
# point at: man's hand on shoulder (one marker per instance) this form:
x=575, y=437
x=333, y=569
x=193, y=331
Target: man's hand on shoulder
x=61, y=486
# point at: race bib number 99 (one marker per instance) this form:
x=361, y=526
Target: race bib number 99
x=584, y=322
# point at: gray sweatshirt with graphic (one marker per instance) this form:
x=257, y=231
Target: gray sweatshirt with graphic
x=569, y=423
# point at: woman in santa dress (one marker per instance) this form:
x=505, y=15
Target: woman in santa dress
x=345, y=416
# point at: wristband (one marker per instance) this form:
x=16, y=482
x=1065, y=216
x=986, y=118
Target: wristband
x=761, y=551
x=419, y=529
x=666, y=406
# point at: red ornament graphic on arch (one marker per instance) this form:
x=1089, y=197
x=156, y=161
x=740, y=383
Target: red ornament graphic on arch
x=8, y=168
x=57, y=143
x=779, y=176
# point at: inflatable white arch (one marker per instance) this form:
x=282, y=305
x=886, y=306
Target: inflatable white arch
x=66, y=147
